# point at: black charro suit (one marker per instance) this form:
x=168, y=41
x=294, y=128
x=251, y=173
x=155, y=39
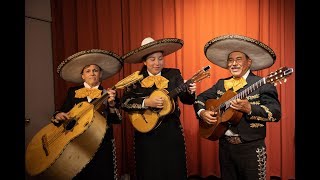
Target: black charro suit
x=102, y=165
x=160, y=153
x=251, y=128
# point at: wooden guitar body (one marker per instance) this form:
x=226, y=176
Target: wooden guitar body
x=61, y=152
x=150, y=118
x=225, y=118
x=226, y=115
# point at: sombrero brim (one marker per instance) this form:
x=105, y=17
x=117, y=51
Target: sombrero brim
x=167, y=46
x=218, y=49
x=70, y=69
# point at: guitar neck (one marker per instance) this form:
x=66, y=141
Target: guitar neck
x=180, y=88
x=201, y=74
x=98, y=102
x=243, y=94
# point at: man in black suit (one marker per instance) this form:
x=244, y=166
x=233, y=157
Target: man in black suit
x=242, y=149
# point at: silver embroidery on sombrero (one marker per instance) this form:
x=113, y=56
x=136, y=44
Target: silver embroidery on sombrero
x=262, y=161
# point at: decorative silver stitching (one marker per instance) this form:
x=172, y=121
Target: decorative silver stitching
x=261, y=155
x=219, y=92
x=115, y=169
x=185, y=146
x=199, y=102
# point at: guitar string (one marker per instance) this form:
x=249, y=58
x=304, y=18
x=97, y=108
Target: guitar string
x=240, y=95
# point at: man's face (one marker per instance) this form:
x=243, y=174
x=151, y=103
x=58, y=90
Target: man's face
x=91, y=74
x=238, y=63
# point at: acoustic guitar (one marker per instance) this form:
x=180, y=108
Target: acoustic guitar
x=61, y=152
x=150, y=119
x=228, y=115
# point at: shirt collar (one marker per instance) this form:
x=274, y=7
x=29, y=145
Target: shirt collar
x=88, y=86
x=150, y=74
x=246, y=74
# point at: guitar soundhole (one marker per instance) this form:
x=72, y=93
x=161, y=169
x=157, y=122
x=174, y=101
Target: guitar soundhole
x=70, y=124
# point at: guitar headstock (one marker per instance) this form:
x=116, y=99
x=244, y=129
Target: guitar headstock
x=201, y=74
x=279, y=75
x=127, y=81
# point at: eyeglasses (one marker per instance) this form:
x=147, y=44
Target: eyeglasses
x=231, y=61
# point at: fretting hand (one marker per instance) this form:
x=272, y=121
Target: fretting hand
x=112, y=97
x=192, y=88
x=241, y=105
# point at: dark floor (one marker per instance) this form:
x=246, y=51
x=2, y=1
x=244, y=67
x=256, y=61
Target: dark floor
x=216, y=178
x=200, y=178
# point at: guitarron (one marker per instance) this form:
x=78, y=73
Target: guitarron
x=228, y=115
x=61, y=152
x=151, y=118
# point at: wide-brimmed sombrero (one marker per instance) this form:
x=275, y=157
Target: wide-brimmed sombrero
x=218, y=49
x=70, y=69
x=149, y=45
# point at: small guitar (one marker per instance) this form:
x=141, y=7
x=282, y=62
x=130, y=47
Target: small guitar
x=149, y=119
x=228, y=115
x=61, y=152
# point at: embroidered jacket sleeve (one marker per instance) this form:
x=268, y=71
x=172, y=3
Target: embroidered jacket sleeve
x=66, y=106
x=266, y=106
x=132, y=98
x=113, y=117
x=211, y=93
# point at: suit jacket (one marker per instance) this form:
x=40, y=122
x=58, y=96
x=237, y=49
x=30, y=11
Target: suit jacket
x=135, y=94
x=264, y=102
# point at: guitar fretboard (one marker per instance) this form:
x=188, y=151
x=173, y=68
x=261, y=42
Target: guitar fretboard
x=98, y=102
x=203, y=73
x=180, y=88
x=243, y=94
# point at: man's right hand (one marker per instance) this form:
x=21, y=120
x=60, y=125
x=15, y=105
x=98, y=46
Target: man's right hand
x=209, y=117
x=155, y=101
x=61, y=116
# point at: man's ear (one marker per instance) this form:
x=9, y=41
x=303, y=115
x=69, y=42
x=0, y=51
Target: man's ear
x=250, y=62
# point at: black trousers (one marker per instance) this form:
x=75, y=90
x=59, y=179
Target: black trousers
x=244, y=161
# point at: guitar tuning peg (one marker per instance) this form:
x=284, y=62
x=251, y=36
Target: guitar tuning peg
x=275, y=84
x=280, y=82
x=285, y=80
